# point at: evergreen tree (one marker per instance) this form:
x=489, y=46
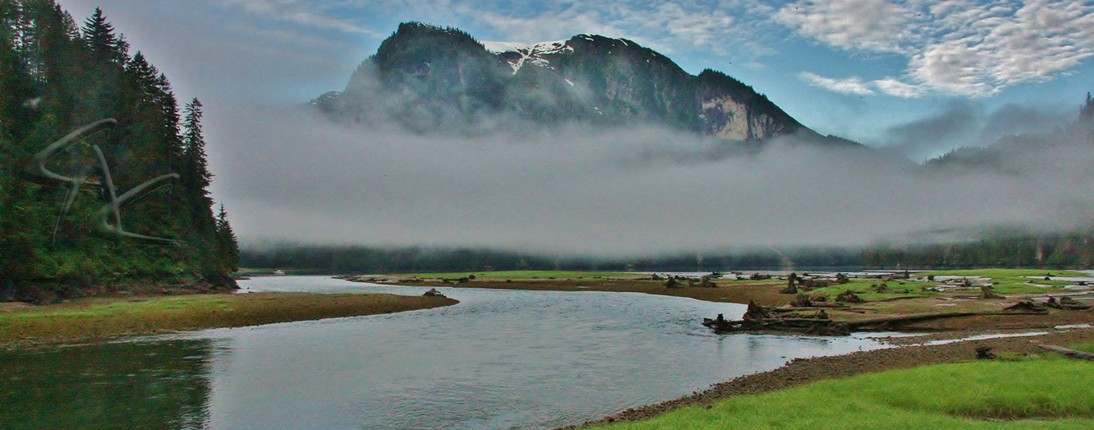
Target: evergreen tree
x=227, y=244
x=101, y=41
x=56, y=77
x=195, y=180
x=195, y=176
x=193, y=143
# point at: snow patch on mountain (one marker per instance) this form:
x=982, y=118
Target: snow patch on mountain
x=529, y=53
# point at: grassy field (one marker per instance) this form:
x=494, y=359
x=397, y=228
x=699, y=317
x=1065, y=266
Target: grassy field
x=524, y=275
x=1004, y=281
x=1014, y=281
x=864, y=289
x=1048, y=393
x=105, y=318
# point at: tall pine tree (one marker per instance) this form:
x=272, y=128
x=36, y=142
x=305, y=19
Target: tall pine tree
x=55, y=77
x=227, y=244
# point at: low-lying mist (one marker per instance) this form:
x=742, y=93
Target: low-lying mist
x=292, y=175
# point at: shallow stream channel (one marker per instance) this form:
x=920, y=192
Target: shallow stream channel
x=499, y=359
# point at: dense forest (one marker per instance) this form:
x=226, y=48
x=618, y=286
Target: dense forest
x=103, y=180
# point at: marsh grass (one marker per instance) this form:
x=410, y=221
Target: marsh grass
x=104, y=318
x=1034, y=393
x=1087, y=347
x=1014, y=281
x=864, y=289
x=525, y=275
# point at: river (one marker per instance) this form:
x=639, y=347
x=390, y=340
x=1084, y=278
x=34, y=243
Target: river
x=500, y=359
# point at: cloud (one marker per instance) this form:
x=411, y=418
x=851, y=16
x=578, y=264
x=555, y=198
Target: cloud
x=845, y=86
x=954, y=126
x=970, y=124
x=960, y=47
x=292, y=176
x=856, y=86
x=306, y=14
x=665, y=26
x=223, y=51
x=897, y=88
x=875, y=25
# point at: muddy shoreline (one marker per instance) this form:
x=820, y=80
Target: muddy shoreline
x=766, y=293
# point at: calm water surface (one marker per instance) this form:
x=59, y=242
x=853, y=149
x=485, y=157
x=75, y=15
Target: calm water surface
x=497, y=360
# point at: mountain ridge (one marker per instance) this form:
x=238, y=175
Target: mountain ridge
x=430, y=78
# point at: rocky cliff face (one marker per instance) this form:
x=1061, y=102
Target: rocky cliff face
x=430, y=78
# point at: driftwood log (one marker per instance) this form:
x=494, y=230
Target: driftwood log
x=1068, y=352
x=1027, y=306
x=759, y=319
x=1066, y=303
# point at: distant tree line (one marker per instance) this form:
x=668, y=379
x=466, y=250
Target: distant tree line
x=350, y=259
x=55, y=77
x=1057, y=251
x=1074, y=250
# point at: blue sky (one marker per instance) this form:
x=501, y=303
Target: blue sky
x=877, y=71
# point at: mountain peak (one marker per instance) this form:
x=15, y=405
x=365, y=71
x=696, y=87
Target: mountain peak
x=433, y=78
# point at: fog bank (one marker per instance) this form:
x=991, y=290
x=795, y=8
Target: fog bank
x=289, y=175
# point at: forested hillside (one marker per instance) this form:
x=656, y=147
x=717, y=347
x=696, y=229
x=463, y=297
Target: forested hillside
x=103, y=181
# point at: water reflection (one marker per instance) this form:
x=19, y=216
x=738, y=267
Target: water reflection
x=498, y=360
x=122, y=385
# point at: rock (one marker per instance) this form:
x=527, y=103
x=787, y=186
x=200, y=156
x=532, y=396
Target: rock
x=433, y=293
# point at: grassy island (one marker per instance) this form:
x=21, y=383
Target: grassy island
x=101, y=318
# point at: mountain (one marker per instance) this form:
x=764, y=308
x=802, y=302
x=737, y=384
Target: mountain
x=430, y=78
x=1026, y=152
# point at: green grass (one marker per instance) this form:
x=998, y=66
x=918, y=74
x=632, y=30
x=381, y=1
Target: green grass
x=1041, y=394
x=526, y=275
x=1013, y=281
x=1087, y=347
x=862, y=287
x=1004, y=273
x=121, y=307
x=100, y=318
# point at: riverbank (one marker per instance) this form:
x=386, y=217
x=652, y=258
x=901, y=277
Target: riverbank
x=103, y=318
x=805, y=371
x=891, y=295
x=878, y=296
